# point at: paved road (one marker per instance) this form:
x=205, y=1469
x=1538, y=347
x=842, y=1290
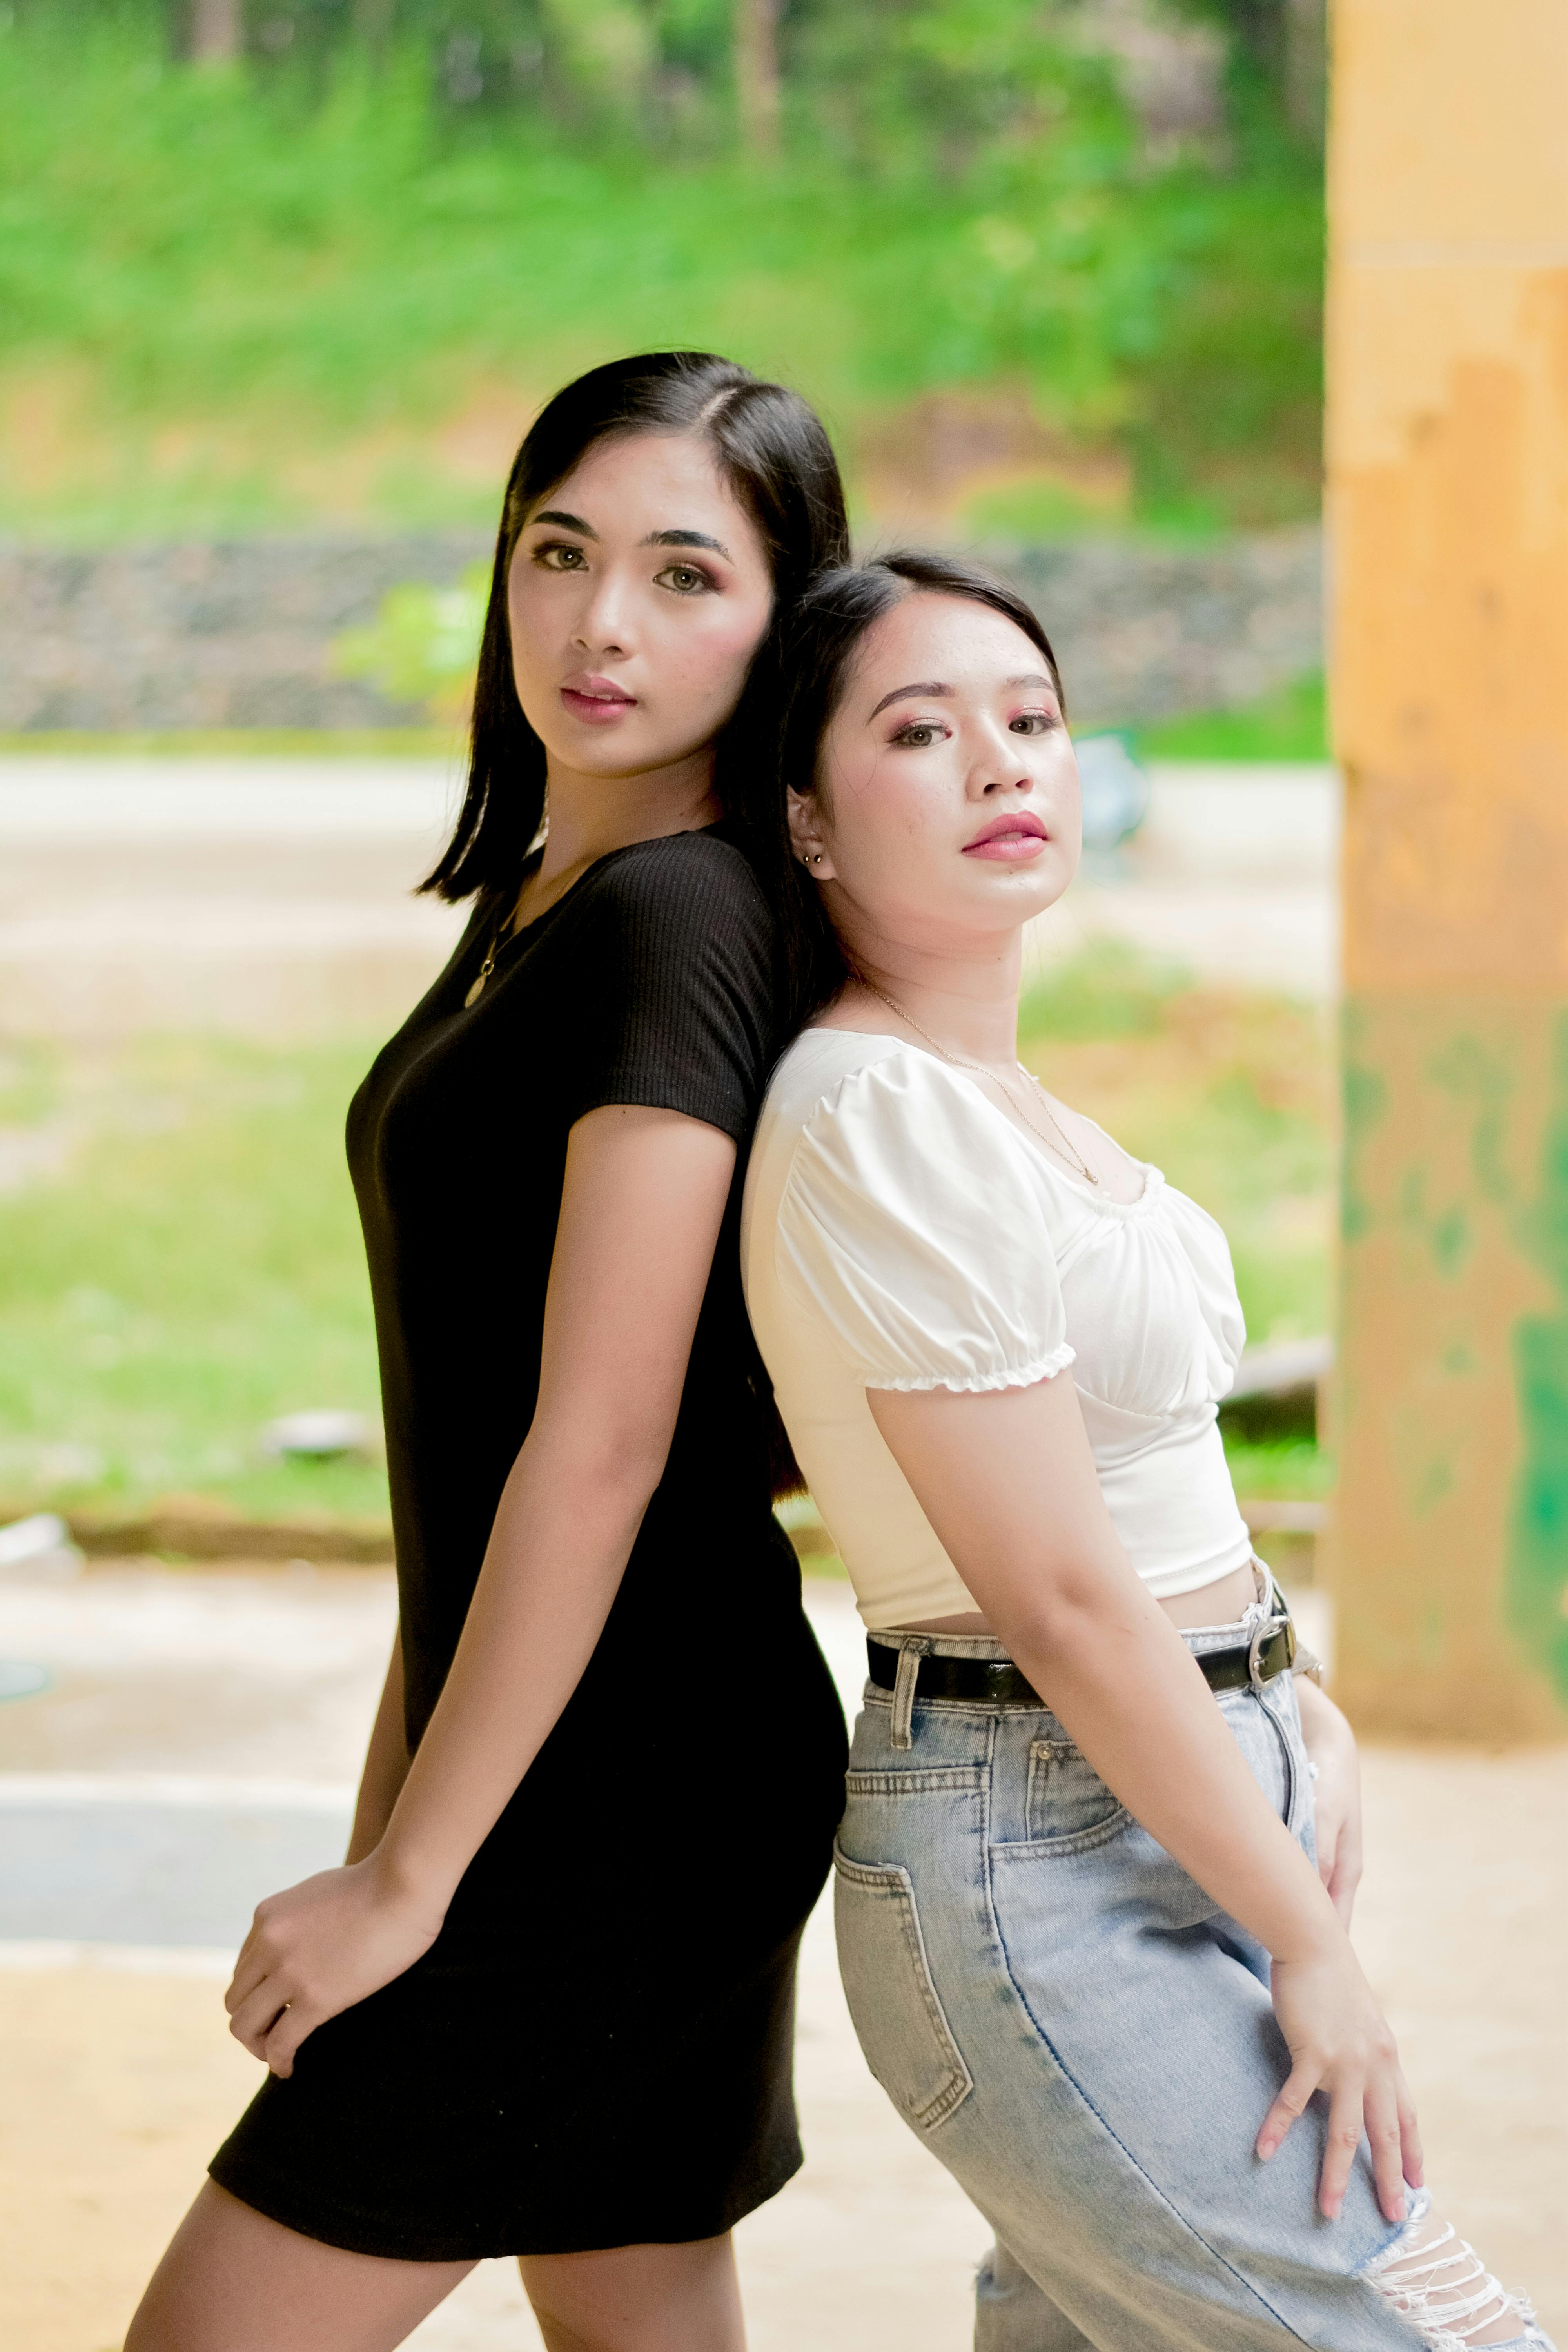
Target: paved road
x=273, y=897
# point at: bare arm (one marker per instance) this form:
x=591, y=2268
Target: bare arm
x=1009, y=1483
x=386, y=1763
x=640, y=1214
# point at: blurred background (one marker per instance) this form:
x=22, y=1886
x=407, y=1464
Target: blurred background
x=281, y=284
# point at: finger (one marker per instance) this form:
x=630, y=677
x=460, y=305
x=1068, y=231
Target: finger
x=1386, y=2137
x=1413, y=2162
x=250, y=1970
x=1327, y=1840
x=255, y=2018
x=1288, y=2108
x=296, y=2025
x=1340, y=2150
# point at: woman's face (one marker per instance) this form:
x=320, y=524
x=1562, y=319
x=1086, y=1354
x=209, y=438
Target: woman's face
x=640, y=591
x=948, y=796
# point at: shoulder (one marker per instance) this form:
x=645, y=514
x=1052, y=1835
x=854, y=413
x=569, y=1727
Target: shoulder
x=884, y=1115
x=683, y=882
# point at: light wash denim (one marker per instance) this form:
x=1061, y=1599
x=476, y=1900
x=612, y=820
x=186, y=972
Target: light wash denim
x=1086, y=2042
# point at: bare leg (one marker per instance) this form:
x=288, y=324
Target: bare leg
x=232, y=2281
x=637, y=2299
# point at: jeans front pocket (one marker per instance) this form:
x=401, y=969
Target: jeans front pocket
x=898, y=2014
x=1067, y=1806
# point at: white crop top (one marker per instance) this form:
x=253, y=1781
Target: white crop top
x=899, y=1231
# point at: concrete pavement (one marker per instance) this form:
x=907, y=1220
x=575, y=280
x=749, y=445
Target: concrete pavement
x=184, y=1702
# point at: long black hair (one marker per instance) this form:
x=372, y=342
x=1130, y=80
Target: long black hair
x=774, y=455
x=818, y=639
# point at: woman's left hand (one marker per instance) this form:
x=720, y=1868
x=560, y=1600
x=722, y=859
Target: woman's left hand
x=1330, y=1746
x=319, y=1947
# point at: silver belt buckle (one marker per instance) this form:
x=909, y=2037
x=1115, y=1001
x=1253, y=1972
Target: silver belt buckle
x=1284, y=1623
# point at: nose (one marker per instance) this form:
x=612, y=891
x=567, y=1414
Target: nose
x=997, y=771
x=604, y=620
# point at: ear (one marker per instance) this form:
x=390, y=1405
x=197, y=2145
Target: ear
x=806, y=835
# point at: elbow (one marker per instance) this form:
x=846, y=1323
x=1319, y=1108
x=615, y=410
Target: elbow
x=1070, y=1610
x=616, y=1464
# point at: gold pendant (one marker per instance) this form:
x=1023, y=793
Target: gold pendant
x=476, y=987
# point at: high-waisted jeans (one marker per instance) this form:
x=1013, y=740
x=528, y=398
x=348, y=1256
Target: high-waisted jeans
x=1087, y=2044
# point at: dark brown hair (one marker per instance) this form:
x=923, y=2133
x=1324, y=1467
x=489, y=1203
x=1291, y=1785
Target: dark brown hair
x=776, y=455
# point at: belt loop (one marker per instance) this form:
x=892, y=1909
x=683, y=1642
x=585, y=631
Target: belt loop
x=911, y=1650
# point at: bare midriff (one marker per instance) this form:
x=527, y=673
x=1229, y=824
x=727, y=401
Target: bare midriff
x=1220, y=1603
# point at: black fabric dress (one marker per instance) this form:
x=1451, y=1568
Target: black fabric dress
x=596, y=2049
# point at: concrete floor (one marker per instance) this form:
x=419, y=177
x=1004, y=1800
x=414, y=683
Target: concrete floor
x=191, y=1711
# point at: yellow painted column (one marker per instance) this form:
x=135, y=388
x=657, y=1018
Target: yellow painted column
x=1448, y=520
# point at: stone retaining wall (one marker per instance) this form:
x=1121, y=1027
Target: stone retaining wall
x=238, y=634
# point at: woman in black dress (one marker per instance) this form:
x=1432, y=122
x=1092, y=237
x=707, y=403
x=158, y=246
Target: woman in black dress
x=545, y=2007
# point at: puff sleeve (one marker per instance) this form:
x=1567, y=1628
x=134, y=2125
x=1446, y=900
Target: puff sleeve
x=912, y=1224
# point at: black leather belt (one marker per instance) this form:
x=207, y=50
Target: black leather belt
x=998, y=1681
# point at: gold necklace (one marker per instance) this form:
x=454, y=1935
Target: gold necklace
x=1059, y=1143
x=477, y=985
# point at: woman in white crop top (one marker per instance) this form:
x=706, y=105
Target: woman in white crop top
x=1076, y=1871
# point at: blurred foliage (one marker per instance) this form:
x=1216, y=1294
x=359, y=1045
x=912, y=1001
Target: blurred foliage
x=211, y=277
x=423, y=646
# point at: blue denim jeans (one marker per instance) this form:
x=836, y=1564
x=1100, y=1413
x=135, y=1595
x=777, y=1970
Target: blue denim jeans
x=1087, y=2044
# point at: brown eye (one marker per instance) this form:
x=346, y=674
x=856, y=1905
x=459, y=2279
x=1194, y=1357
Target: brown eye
x=555, y=556
x=684, y=578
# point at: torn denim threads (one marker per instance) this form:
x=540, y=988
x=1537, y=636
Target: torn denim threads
x=1437, y=2282
x=1059, y=2011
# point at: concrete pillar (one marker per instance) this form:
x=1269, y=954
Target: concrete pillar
x=1448, y=512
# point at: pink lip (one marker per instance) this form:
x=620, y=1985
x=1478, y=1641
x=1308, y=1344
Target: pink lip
x=596, y=700
x=1009, y=840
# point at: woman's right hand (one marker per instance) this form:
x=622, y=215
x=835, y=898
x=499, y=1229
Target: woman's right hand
x=1340, y=2043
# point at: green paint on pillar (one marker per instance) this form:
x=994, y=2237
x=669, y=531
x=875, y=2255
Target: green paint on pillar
x=1538, y=1550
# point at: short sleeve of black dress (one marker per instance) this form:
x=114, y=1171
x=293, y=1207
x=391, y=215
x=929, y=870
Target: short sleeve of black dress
x=676, y=942
x=596, y=2050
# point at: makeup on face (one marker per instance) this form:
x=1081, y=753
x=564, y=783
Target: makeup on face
x=952, y=791
x=637, y=595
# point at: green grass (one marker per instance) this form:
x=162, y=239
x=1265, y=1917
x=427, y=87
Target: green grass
x=189, y=1264
x=193, y=1271
x=1291, y=723
x=229, y=305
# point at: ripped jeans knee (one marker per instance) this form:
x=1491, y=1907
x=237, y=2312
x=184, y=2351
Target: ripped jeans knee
x=1438, y=2282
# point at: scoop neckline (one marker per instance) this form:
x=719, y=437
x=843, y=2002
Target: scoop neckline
x=1153, y=1178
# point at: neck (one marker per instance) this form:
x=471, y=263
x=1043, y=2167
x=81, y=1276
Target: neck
x=967, y=998
x=590, y=816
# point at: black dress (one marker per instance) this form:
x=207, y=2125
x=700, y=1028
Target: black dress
x=596, y=2049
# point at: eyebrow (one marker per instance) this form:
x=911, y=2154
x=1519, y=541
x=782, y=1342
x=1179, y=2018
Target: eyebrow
x=902, y=693
x=564, y=521
x=687, y=539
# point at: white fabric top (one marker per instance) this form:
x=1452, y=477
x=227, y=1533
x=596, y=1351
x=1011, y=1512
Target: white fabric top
x=899, y=1231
